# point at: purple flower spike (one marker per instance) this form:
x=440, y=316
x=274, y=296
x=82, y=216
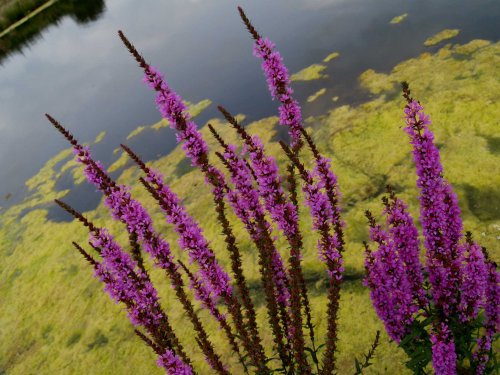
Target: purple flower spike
x=269, y=183
x=440, y=214
x=404, y=235
x=191, y=238
x=174, y=110
x=443, y=351
x=322, y=214
x=279, y=86
x=125, y=284
x=173, y=364
x=245, y=202
x=474, y=282
x=328, y=181
x=126, y=209
x=390, y=289
x=492, y=308
x=206, y=297
x=492, y=313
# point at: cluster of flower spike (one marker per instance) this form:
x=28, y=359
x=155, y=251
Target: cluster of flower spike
x=254, y=190
x=463, y=282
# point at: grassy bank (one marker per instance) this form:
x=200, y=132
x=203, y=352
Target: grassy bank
x=22, y=21
x=11, y=11
x=57, y=319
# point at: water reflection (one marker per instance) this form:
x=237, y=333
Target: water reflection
x=81, y=74
x=30, y=32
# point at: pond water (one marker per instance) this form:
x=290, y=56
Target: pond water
x=82, y=75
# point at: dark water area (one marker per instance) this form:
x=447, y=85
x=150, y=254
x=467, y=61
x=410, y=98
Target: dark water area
x=81, y=74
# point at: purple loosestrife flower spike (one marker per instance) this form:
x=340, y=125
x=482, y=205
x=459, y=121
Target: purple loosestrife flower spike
x=440, y=215
x=443, y=351
x=284, y=214
x=492, y=305
x=269, y=182
x=119, y=201
x=391, y=293
x=278, y=82
x=492, y=314
x=124, y=284
x=207, y=301
x=139, y=223
x=404, y=235
x=127, y=210
x=329, y=247
x=173, y=364
x=249, y=210
x=291, y=115
x=244, y=200
x=270, y=189
x=172, y=108
x=474, y=281
x=321, y=212
x=328, y=181
x=128, y=284
x=191, y=238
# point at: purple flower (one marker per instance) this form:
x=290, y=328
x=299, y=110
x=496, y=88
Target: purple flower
x=492, y=303
x=440, y=214
x=492, y=313
x=322, y=214
x=126, y=209
x=191, y=238
x=269, y=184
x=174, y=110
x=404, y=236
x=391, y=291
x=245, y=202
x=173, y=364
x=474, y=282
x=206, y=297
x=125, y=283
x=444, y=357
x=328, y=181
x=279, y=86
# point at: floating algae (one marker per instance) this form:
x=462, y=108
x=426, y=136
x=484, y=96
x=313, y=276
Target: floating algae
x=311, y=73
x=398, y=19
x=442, y=35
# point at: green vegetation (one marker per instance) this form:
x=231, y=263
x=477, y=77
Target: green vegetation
x=99, y=137
x=316, y=95
x=398, y=19
x=331, y=56
x=12, y=11
x=57, y=319
x=442, y=35
x=376, y=82
x=311, y=73
x=22, y=20
x=136, y=132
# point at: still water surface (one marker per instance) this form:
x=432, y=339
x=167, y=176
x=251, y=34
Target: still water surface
x=82, y=75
